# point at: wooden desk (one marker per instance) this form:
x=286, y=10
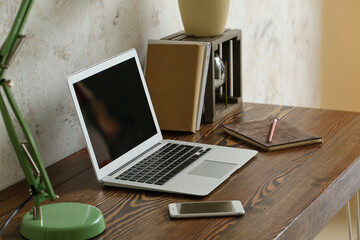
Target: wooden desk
x=288, y=194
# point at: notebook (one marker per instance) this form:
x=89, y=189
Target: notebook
x=124, y=140
x=176, y=73
x=285, y=136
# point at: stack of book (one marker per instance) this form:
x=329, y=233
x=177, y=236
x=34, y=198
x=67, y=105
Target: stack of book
x=176, y=74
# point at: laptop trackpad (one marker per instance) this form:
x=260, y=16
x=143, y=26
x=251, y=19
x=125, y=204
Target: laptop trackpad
x=212, y=169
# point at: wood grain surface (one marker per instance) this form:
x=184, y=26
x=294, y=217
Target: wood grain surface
x=287, y=194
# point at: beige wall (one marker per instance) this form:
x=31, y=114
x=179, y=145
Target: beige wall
x=281, y=58
x=341, y=55
x=340, y=80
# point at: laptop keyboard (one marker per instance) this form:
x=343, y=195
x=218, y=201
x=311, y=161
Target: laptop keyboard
x=163, y=164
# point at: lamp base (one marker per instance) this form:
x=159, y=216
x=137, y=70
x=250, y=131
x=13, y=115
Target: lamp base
x=64, y=221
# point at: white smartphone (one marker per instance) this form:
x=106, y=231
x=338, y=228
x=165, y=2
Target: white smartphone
x=206, y=209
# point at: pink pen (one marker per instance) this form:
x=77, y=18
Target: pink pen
x=272, y=130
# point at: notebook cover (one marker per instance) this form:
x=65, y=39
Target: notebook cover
x=173, y=75
x=204, y=76
x=285, y=135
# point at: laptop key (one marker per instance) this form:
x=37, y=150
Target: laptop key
x=142, y=180
x=160, y=182
x=151, y=181
x=170, y=174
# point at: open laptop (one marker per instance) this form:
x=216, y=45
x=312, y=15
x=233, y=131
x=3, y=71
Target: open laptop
x=124, y=140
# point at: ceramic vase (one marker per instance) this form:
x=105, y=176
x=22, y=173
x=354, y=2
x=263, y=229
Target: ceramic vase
x=204, y=18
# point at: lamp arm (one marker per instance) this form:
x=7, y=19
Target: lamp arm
x=14, y=36
x=39, y=186
x=40, y=183
x=16, y=142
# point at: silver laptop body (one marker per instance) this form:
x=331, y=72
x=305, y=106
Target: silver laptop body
x=121, y=130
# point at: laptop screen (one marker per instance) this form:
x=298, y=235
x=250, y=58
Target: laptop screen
x=115, y=110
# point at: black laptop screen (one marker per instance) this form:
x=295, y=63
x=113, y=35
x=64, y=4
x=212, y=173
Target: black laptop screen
x=115, y=110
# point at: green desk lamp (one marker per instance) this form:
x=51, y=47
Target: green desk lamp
x=51, y=221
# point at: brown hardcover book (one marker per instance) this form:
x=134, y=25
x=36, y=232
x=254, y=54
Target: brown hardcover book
x=173, y=75
x=285, y=135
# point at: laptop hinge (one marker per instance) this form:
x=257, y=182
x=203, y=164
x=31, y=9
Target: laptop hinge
x=134, y=159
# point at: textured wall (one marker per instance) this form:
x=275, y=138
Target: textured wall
x=282, y=44
x=281, y=50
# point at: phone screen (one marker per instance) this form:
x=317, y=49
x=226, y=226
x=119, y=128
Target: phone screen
x=209, y=207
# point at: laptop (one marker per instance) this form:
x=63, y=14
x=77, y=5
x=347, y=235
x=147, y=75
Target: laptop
x=124, y=139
